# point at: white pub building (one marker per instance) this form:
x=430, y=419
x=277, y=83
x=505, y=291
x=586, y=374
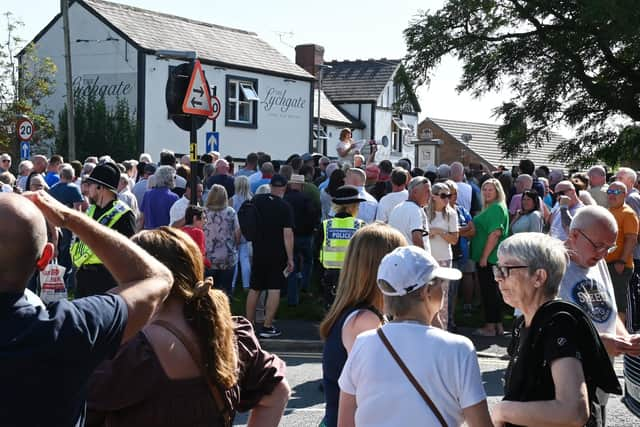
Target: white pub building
x=267, y=101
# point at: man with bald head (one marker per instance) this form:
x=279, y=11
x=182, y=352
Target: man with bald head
x=598, y=185
x=587, y=283
x=567, y=205
x=368, y=208
x=222, y=177
x=59, y=346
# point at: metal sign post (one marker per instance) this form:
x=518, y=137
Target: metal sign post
x=197, y=102
x=24, y=130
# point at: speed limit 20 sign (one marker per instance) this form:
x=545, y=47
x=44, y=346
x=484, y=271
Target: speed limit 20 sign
x=25, y=129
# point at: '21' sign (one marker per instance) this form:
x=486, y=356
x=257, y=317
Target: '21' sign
x=25, y=129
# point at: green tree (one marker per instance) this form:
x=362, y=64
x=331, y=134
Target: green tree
x=23, y=87
x=575, y=63
x=100, y=129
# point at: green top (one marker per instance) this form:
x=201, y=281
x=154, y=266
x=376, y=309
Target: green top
x=493, y=217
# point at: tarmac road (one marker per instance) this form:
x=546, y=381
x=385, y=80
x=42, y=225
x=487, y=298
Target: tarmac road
x=306, y=406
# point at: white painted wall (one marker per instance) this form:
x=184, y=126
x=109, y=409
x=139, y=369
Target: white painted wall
x=114, y=63
x=280, y=132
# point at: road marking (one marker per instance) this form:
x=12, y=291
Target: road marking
x=301, y=355
x=304, y=410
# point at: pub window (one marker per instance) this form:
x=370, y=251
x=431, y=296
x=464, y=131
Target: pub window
x=242, y=102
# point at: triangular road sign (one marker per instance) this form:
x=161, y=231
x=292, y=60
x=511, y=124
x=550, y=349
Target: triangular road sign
x=197, y=100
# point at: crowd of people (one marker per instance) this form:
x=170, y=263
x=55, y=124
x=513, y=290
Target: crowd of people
x=397, y=249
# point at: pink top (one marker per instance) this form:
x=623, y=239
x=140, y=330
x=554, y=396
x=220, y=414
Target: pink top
x=198, y=236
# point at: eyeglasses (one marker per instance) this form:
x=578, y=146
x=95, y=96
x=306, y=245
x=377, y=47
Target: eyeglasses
x=615, y=191
x=503, y=271
x=444, y=196
x=601, y=248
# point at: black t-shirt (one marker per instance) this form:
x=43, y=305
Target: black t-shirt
x=275, y=215
x=306, y=216
x=126, y=225
x=528, y=371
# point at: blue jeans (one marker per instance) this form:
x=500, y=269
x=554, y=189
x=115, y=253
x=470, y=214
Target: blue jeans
x=222, y=279
x=243, y=265
x=301, y=275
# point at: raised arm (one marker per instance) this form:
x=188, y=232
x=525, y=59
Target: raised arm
x=143, y=282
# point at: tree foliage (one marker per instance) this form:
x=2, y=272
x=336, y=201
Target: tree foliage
x=567, y=62
x=100, y=129
x=23, y=86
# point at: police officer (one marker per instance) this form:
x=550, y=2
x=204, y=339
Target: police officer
x=91, y=276
x=337, y=232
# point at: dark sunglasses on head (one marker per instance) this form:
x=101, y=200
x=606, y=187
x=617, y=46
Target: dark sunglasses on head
x=615, y=191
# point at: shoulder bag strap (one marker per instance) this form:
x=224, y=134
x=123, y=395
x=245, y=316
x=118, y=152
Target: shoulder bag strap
x=195, y=355
x=411, y=378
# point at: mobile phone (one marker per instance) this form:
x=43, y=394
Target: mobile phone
x=285, y=272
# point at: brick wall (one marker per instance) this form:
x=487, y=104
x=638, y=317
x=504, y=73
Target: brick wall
x=452, y=150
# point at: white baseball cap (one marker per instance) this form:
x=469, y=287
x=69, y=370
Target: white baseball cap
x=408, y=268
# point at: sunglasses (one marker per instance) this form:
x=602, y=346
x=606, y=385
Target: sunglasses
x=444, y=196
x=562, y=192
x=503, y=271
x=615, y=191
x=6, y=161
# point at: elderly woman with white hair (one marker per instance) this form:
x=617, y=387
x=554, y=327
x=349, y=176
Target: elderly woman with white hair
x=157, y=202
x=557, y=358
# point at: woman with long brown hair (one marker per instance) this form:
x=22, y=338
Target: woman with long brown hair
x=194, y=364
x=357, y=306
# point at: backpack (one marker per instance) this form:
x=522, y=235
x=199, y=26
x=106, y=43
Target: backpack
x=249, y=220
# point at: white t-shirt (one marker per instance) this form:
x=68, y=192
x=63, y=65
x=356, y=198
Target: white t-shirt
x=440, y=248
x=591, y=289
x=178, y=209
x=557, y=230
x=444, y=364
x=408, y=216
x=367, y=209
x=388, y=202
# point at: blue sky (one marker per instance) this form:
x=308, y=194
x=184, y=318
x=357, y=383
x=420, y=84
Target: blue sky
x=347, y=30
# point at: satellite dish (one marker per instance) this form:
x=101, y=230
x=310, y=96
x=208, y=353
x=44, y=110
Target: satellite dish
x=384, y=141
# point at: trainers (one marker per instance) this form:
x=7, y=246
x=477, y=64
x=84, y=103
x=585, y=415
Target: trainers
x=270, y=332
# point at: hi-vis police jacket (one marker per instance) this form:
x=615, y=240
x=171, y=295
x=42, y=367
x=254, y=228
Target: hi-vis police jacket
x=337, y=233
x=81, y=254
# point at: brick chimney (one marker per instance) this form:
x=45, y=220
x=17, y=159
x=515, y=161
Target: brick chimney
x=309, y=56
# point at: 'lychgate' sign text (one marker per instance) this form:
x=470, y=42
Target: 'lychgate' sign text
x=279, y=98
x=105, y=85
